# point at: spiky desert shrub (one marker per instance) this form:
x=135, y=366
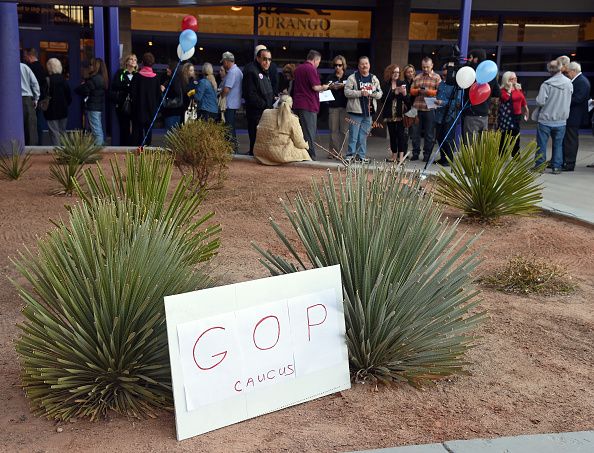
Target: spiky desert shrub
x=202, y=150
x=408, y=294
x=146, y=182
x=94, y=338
x=76, y=149
x=14, y=161
x=487, y=183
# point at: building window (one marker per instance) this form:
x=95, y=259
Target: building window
x=548, y=29
x=222, y=20
x=439, y=27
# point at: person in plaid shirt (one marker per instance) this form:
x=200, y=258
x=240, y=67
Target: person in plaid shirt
x=424, y=85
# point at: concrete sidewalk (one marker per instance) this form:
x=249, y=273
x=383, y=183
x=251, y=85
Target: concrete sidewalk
x=578, y=442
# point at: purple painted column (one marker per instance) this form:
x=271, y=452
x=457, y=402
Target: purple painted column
x=113, y=65
x=464, y=36
x=11, y=103
x=98, y=32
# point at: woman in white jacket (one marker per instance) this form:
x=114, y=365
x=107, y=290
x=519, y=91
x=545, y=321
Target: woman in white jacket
x=279, y=138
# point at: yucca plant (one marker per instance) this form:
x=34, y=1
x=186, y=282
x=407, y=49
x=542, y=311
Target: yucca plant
x=76, y=149
x=202, y=150
x=94, y=336
x=486, y=182
x=146, y=182
x=78, y=146
x=14, y=161
x=409, y=300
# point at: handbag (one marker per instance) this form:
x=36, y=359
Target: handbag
x=43, y=104
x=126, y=107
x=191, y=113
x=410, y=118
x=173, y=103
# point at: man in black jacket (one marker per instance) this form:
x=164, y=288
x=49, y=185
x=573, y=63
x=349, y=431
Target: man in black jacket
x=257, y=92
x=578, y=114
x=476, y=117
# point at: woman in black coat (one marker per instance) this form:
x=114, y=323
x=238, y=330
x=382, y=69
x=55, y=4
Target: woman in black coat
x=60, y=98
x=93, y=91
x=146, y=95
x=173, y=106
x=120, y=95
x=396, y=102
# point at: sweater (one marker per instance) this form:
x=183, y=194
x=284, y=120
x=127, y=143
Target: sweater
x=554, y=99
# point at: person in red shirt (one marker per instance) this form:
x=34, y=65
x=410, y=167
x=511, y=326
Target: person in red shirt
x=512, y=104
x=306, y=88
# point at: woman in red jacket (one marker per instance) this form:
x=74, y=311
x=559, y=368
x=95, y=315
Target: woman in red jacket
x=511, y=105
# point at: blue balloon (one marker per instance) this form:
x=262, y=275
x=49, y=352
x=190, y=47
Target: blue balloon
x=187, y=39
x=486, y=71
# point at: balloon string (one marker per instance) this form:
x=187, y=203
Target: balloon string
x=434, y=154
x=160, y=104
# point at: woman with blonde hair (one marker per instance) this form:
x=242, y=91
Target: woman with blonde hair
x=206, y=95
x=60, y=98
x=511, y=105
x=120, y=95
x=279, y=139
x=208, y=72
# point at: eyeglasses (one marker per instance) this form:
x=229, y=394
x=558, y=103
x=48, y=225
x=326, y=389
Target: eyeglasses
x=338, y=65
x=266, y=59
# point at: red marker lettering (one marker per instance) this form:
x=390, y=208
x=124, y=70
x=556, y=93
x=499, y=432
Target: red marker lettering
x=277, y=336
x=268, y=374
x=248, y=382
x=262, y=379
x=236, y=389
x=281, y=371
x=291, y=369
x=309, y=325
x=223, y=354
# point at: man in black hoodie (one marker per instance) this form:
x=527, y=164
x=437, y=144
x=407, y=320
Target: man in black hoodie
x=257, y=91
x=476, y=117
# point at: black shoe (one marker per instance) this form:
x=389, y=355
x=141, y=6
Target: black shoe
x=425, y=159
x=557, y=171
x=564, y=168
x=414, y=158
x=549, y=164
x=443, y=163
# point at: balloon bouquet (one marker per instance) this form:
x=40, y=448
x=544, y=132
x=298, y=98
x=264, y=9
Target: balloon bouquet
x=185, y=51
x=480, y=90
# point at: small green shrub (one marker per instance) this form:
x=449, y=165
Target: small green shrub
x=486, y=183
x=76, y=149
x=522, y=275
x=408, y=295
x=202, y=150
x=14, y=161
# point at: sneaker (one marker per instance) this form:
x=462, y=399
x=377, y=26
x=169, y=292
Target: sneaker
x=557, y=171
x=364, y=160
x=349, y=159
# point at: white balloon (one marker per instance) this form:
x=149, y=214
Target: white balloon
x=465, y=77
x=184, y=56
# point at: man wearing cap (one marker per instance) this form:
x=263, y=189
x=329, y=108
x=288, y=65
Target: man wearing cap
x=231, y=92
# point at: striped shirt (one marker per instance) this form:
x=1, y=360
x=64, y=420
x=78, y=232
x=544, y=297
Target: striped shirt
x=429, y=82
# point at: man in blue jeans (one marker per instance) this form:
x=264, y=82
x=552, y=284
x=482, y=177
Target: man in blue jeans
x=362, y=89
x=232, y=93
x=553, y=101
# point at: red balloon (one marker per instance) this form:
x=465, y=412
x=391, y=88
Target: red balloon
x=190, y=23
x=479, y=93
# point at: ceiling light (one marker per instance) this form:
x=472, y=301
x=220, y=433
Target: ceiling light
x=150, y=43
x=200, y=48
x=236, y=8
x=284, y=47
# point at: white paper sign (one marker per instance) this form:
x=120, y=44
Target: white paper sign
x=244, y=350
x=326, y=96
x=431, y=103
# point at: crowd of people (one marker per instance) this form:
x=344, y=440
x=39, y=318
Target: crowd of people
x=282, y=112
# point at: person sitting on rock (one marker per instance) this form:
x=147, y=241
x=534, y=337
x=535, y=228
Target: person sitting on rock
x=280, y=139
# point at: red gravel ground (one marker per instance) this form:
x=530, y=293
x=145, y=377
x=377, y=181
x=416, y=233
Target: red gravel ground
x=532, y=371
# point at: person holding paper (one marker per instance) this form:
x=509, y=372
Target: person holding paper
x=337, y=107
x=362, y=90
x=424, y=85
x=396, y=100
x=306, y=88
x=280, y=139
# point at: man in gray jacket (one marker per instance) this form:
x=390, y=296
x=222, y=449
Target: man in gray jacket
x=553, y=100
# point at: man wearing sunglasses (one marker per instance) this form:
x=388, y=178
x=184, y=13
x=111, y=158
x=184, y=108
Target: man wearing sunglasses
x=257, y=92
x=306, y=100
